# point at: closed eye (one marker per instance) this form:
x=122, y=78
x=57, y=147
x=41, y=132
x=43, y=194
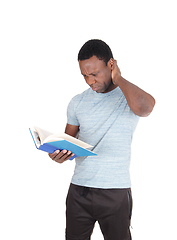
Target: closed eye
x=94, y=74
x=84, y=75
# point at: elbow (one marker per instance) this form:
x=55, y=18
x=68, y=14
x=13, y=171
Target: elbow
x=145, y=109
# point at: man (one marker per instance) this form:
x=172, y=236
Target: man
x=104, y=116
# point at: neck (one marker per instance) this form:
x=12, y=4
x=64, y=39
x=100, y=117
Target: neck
x=111, y=87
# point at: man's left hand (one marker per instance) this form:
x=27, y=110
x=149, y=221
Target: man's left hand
x=116, y=73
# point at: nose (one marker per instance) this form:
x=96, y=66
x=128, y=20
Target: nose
x=90, y=80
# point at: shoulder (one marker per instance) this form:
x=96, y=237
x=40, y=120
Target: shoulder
x=79, y=97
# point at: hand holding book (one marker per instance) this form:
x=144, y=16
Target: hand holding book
x=61, y=156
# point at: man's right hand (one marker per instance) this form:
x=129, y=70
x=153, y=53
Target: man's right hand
x=61, y=156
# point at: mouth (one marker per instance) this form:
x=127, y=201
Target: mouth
x=95, y=88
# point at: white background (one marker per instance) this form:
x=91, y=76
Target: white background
x=39, y=74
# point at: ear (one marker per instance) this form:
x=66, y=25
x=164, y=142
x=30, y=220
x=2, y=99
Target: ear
x=111, y=63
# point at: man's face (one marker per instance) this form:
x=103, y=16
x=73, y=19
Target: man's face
x=97, y=74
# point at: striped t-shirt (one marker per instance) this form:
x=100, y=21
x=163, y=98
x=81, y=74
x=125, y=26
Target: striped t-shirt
x=106, y=122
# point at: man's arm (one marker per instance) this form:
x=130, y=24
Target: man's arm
x=62, y=156
x=71, y=130
x=140, y=102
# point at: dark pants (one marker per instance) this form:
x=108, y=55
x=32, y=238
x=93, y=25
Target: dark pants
x=110, y=207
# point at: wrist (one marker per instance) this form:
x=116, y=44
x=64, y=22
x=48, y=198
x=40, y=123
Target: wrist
x=117, y=79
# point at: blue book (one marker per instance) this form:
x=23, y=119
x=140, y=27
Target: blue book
x=49, y=142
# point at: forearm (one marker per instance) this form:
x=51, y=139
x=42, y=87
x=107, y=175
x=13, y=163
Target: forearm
x=140, y=102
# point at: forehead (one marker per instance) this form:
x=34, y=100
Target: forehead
x=92, y=64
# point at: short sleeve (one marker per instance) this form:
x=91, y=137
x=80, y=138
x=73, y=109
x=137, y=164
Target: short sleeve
x=71, y=113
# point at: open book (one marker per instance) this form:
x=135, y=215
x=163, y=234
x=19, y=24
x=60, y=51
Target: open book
x=49, y=142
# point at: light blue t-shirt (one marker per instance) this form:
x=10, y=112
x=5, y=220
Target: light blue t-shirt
x=106, y=122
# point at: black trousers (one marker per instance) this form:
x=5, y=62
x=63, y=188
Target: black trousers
x=110, y=207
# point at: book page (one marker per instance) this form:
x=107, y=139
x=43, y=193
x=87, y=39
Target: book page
x=64, y=136
x=35, y=137
x=43, y=134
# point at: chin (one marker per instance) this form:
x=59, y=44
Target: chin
x=100, y=91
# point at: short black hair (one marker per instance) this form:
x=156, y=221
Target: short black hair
x=95, y=47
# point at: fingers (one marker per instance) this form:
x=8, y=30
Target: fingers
x=116, y=73
x=61, y=156
x=115, y=62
